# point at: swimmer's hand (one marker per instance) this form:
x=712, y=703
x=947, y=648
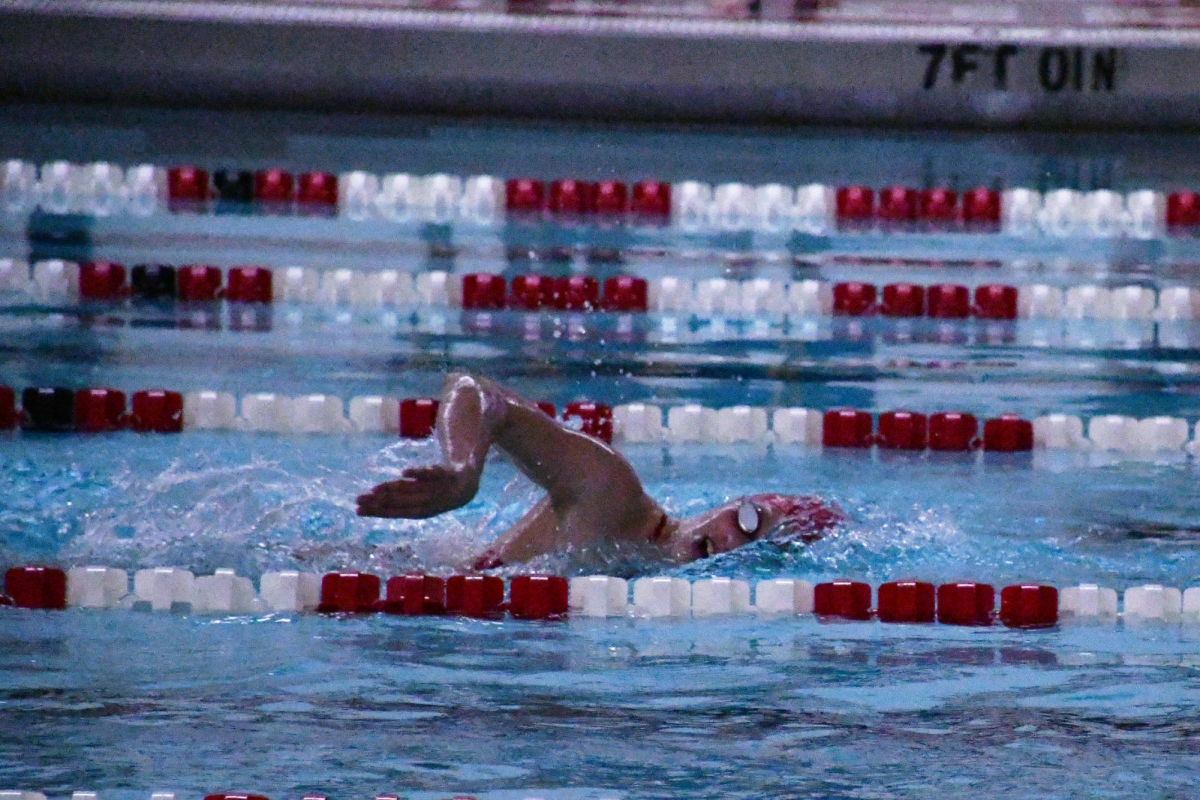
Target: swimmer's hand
x=420, y=493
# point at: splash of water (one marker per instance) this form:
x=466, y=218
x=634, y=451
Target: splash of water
x=265, y=503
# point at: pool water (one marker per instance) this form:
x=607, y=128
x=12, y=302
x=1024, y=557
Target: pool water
x=259, y=503
x=127, y=703
x=743, y=707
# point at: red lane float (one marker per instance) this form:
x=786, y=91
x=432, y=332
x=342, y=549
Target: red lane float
x=534, y=597
x=842, y=599
x=318, y=191
x=951, y=431
x=157, y=411
x=197, y=283
x=235, y=796
x=1029, y=606
x=568, y=197
x=903, y=300
x=524, y=195
x=993, y=301
x=651, y=200
x=274, y=187
x=537, y=596
x=415, y=595
x=906, y=601
x=594, y=419
x=1008, y=433
x=482, y=291
x=853, y=299
x=981, y=209
x=898, y=205
x=939, y=206
x=573, y=198
x=1183, y=210
x=479, y=596
x=349, y=593
x=36, y=587
x=609, y=198
x=101, y=280
x=902, y=430
x=576, y=293
x=855, y=206
x=418, y=417
x=948, y=301
x=528, y=293
x=187, y=188
x=99, y=410
x=966, y=603
x=846, y=427
x=625, y=293
x=944, y=301
x=8, y=408
x=249, y=285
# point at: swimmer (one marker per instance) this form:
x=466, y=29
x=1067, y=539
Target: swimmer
x=592, y=492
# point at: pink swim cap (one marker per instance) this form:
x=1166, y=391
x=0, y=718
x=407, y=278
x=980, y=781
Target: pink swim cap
x=802, y=519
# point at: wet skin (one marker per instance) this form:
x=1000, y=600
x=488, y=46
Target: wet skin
x=592, y=492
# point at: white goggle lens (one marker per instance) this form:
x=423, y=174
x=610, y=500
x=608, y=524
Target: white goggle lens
x=747, y=518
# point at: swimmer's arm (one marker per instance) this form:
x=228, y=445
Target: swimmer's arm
x=579, y=473
x=532, y=535
x=464, y=432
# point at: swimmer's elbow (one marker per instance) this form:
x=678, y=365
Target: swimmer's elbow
x=460, y=379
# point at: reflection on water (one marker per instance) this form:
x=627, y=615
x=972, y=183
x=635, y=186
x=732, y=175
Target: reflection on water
x=725, y=708
x=126, y=703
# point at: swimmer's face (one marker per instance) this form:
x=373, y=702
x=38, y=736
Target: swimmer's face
x=722, y=529
x=748, y=519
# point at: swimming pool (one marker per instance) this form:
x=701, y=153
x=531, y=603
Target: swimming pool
x=128, y=703
x=125, y=702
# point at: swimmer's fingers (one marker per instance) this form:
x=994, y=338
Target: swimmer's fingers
x=398, y=488
x=421, y=492
x=402, y=498
x=433, y=475
x=415, y=483
x=386, y=510
x=392, y=506
x=449, y=487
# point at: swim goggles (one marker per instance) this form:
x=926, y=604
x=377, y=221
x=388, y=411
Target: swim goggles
x=748, y=518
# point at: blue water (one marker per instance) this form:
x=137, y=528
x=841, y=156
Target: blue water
x=126, y=703
x=129, y=702
x=265, y=502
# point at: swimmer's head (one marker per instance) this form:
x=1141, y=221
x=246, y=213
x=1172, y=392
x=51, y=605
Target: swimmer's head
x=777, y=518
